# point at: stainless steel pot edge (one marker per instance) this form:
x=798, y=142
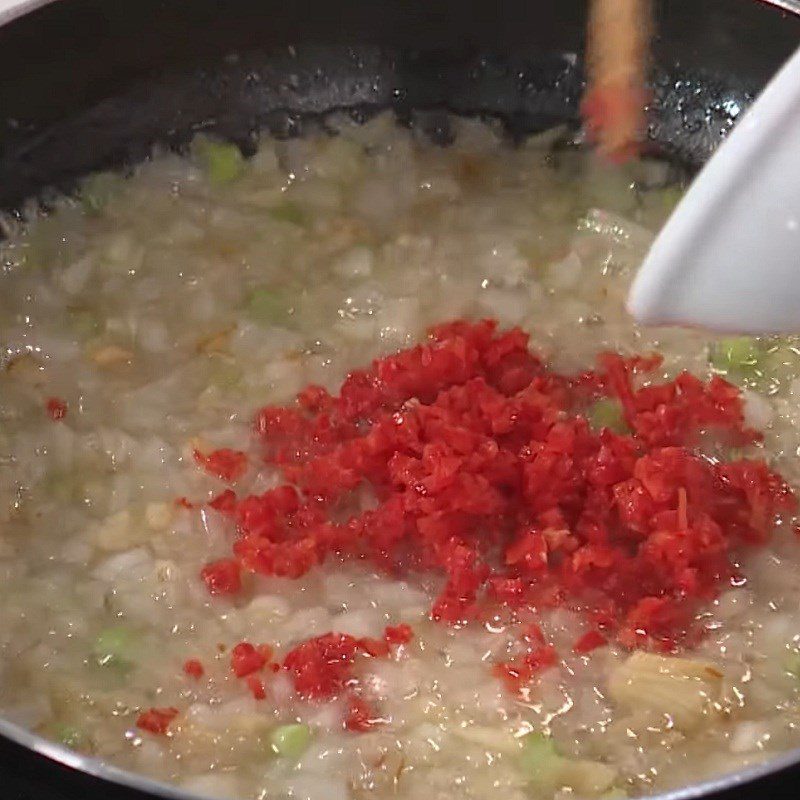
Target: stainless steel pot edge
x=107, y=772
x=92, y=766
x=792, y=6
x=9, y=11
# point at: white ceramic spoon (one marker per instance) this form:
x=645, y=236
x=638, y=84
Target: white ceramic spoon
x=728, y=258
x=11, y=9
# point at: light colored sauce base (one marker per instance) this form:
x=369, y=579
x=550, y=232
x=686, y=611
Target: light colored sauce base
x=137, y=315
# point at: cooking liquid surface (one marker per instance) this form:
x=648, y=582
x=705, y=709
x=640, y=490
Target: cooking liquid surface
x=151, y=317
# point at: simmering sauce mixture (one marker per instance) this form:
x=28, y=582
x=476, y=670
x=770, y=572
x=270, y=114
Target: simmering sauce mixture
x=339, y=473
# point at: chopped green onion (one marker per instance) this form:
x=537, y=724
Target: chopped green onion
x=588, y=778
x=224, y=373
x=609, y=186
x=38, y=250
x=539, y=760
x=97, y=190
x=339, y=159
x=539, y=253
x=556, y=207
x=607, y=413
x=267, y=306
x=781, y=359
x=115, y=646
x=69, y=736
x=290, y=212
x=290, y=741
x=223, y=162
x=614, y=794
x=537, y=747
x=84, y=324
x=739, y=356
x=671, y=196
x=547, y=770
x=792, y=665
x=61, y=485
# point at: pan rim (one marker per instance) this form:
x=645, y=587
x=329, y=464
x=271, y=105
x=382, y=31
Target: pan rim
x=12, y=9
x=97, y=768
x=790, y=6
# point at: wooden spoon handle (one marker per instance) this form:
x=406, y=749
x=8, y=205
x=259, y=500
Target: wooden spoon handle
x=618, y=45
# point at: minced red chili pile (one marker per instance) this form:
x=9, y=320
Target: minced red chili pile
x=481, y=466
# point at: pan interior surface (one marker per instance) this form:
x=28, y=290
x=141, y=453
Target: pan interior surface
x=357, y=207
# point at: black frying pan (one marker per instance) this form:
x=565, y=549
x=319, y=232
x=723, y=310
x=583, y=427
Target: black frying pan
x=91, y=84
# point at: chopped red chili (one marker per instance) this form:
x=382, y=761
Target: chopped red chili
x=226, y=464
x=398, y=634
x=590, y=640
x=225, y=503
x=246, y=659
x=265, y=651
x=533, y=633
x=321, y=667
x=360, y=716
x=519, y=672
x=156, y=720
x=193, y=668
x=473, y=447
x=376, y=648
x=56, y=408
x=256, y=686
x=223, y=576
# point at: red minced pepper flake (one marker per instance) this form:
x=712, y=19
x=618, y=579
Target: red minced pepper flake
x=193, y=668
x=360, y=716
x=225, y=502
x=156, y=720
x=518, y=673
x=398, y=634
x=265, y=651
x=314, y=399
x=473, y=447
x=56, y=408
x=533, y=633
x=542, y=657
x=226, y=464
x=506, y=590
x=590, y=640
x=377, y=648
x=256, y=686
x=321, y=667
x=183, y=502
x=528, y=552
x=246, y=659
x=223, y=576
x=513, y=675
